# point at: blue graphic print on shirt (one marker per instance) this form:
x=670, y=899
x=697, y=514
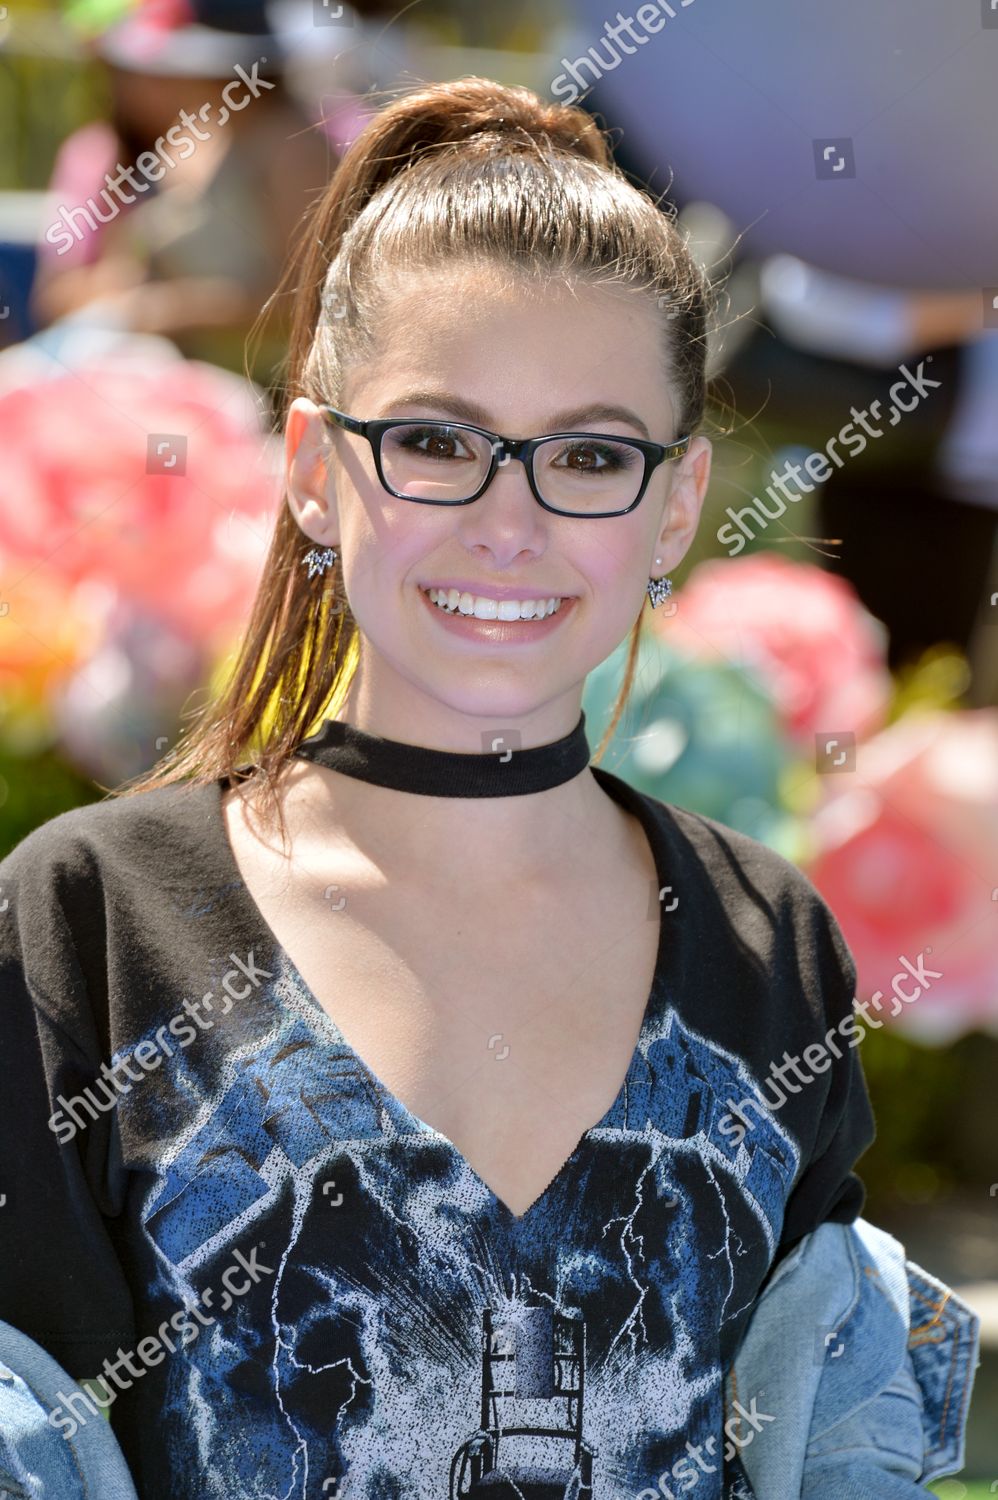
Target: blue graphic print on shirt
x=409, y=1335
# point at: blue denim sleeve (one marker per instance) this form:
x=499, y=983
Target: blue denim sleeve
x=37, y=1460
x=878, y=1449
x=873, y=1399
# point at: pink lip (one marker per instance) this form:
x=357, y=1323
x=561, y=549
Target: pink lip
x=493, y=591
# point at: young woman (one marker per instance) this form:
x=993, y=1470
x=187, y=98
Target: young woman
x=433, y=1148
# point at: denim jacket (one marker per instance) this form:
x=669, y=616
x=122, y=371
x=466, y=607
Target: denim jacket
x=861, y=1365
x=36, y=1461
x=852, y=1381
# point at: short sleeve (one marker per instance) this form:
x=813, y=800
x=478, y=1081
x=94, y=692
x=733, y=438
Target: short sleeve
x=78, y=172
x=61, y=1189
x=828, y=1187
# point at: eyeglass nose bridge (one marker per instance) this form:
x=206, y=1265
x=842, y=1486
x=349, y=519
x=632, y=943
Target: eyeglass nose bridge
x=504, y=449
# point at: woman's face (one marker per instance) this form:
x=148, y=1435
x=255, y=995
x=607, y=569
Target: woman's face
x=521, y=361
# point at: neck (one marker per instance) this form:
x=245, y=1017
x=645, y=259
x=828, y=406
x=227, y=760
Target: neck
x=497, y=837
x=401, y=716
x=491, y=840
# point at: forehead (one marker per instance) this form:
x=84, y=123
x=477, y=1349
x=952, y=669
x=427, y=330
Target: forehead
x=515, y=345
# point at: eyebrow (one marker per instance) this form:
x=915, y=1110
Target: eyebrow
x=559, y=421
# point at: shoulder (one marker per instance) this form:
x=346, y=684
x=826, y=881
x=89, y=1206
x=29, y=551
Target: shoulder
x=742, y=903
x=712, y=854
x=63, y=858
x=112, y=869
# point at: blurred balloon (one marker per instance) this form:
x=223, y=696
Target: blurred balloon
x=703, y=736
x=139, y=492
x=859, y=137
x=906, y=859
x=119, y=710
x=802, y=632
x=141, y=471
x=33, y=666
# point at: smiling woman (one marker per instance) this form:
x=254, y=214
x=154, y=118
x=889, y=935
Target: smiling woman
x=485, y=242
x=473, y=1103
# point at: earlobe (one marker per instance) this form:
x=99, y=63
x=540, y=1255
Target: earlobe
x=309, y=480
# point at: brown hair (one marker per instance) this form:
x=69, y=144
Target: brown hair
x=469, y=168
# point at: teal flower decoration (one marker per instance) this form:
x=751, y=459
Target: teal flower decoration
x=702, y=735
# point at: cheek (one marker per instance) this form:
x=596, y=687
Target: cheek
x=382, y=550
x=617, y=565
x=617, y=574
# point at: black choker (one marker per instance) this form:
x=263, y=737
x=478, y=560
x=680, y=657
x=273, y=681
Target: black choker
x=447, y=773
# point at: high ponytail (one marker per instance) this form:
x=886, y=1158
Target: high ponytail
x=467, y=169
x=469, y=119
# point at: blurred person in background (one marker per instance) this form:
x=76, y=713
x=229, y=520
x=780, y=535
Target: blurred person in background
x=200, y=249
x=915, y=518
x=913, y=523
x=839, y=282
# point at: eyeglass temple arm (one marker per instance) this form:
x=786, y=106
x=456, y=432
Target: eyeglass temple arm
x=352, y=424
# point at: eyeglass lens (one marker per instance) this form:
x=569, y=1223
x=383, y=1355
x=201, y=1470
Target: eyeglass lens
x=436, y=461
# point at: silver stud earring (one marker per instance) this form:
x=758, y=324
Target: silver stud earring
x=659, y=589
x=318, y=561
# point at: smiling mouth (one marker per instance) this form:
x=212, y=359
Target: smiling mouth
x=453, y=602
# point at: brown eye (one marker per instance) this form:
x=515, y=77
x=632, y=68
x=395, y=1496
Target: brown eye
x=597, y=458
x=438, y=443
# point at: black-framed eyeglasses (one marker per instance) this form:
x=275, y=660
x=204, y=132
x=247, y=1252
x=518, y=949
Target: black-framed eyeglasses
x=431, y=462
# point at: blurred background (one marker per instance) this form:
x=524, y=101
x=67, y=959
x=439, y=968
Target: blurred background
x=825, y=677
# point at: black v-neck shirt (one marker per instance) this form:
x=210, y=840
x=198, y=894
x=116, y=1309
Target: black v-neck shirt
x=297, y=1288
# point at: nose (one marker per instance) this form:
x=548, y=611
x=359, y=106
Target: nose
x=506, y=517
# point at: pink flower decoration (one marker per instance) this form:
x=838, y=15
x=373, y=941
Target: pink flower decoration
x=139, y=476
x=803, y=632
x=906, y=860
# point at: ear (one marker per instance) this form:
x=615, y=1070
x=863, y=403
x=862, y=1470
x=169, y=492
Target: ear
x=691, y=477
x=311, y=490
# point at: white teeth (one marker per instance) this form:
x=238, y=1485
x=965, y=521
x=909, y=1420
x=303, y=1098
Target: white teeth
x=454, y=602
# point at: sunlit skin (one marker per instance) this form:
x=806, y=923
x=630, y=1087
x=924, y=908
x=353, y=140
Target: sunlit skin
x=523, y=355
